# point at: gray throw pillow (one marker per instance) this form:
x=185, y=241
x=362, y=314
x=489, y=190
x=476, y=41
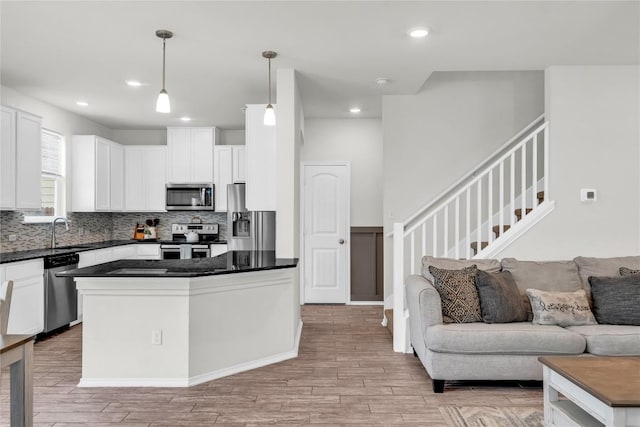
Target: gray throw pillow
x=457, y=289
x=500, y=299
x=616, y=300
x=624, y=271
x=560, y=308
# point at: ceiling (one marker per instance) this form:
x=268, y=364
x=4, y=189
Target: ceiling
x=65, y=51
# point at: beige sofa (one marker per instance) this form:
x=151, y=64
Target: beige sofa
x=510, y=351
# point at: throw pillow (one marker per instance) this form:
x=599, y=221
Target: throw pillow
x=500, y=299
x=560, y=308
x=457, y=289
x=615, y=299
x=624, y=271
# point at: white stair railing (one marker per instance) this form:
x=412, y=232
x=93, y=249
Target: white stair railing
x=465, y=214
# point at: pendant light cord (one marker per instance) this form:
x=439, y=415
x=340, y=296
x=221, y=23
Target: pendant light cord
x=269, y=81
x=164, y=44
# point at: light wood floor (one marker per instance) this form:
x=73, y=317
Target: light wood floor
x=346, y=374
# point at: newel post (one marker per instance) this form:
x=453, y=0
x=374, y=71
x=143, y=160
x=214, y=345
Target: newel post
x=399, y=321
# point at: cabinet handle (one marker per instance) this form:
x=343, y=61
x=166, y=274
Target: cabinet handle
x=341, y=241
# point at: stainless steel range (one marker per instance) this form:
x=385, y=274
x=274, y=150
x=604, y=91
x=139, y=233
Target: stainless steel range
x=190, y=241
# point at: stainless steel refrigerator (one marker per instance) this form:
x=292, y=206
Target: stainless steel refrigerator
x=248, y=230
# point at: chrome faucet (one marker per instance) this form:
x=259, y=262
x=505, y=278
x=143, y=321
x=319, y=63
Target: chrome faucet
x=53, y=229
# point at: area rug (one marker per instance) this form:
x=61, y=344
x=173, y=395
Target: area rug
x=491, y=416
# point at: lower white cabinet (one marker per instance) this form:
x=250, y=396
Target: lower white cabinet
x=26, y=315
x=218, y=249
x=147, y=251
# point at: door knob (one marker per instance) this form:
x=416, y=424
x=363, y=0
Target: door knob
x=341, y=241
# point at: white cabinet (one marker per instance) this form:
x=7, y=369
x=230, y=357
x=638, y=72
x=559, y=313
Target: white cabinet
x=190, y=154
x=261, y=160
x=147, y=251
x=218, y=249
x=230, y=168
x=26, y=315
x=96, y=174
x=144, y=178
x=20, y=160
x=239, y=164
x=8, y=159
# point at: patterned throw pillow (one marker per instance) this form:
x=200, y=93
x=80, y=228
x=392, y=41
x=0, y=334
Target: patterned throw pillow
x=625, y=271
x=560, y=308
x=457, y=289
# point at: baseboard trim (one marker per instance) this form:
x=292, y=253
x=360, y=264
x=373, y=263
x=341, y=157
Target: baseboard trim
x=198, y=379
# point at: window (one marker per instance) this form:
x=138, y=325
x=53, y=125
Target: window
x=52, y=183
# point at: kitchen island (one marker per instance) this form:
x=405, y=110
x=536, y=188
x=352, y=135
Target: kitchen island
x=177, y=323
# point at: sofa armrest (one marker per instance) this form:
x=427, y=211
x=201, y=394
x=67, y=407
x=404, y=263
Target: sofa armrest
x=425, y=309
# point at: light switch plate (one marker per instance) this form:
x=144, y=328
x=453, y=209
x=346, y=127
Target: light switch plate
x=588, y=195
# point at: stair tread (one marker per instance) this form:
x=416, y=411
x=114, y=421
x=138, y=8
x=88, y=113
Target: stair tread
x=483, y=245
x=496, y=228
x=389, y=315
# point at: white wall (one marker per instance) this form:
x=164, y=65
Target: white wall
x=360, y=142
x=231, y=137
x=433, y=138
x=593, y=114
x=140, y=137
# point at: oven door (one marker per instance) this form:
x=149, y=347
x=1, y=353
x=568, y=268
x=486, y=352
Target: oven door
x=200, y=252
x=170, y=252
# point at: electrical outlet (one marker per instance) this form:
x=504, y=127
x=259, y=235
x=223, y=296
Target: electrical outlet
x=81, y=231
x=13, y=237
x=156, y=337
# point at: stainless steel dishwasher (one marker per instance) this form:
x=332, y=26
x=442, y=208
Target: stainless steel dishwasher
x=60, y=294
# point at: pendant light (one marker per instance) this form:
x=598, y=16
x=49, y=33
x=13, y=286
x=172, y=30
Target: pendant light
x=163, y=105
x=269, y=113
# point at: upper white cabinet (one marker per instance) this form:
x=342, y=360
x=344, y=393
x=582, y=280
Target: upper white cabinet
x=239, y=164
x=190, y=154
x=230, y=168
x=96, y=174
x=20, y=160
x=145, y=178
x=261, y=160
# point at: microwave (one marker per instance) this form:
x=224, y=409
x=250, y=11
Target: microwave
x=190, y=197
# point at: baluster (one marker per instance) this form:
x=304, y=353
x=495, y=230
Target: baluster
x=479, y=218
x=412, y=251
x=457, y=229
x=501, y=200
x=468, y=220
x=523, y=183
x=534, y=172
x=424, y=238
x=445, y=233
x=512, y=188
x=435, y=234
x=490, y=207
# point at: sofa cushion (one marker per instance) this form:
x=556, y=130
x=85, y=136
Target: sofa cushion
x=624, y=271
x=615, y=299
x=491, y=265
x=500, y=299
x=544, y=275
x=590, y=266
x=610, y=340
x=503, y=338
x=458, y=293
x=560, y=308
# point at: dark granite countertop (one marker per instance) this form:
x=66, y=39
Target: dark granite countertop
x=6, y=257
x=227, y=263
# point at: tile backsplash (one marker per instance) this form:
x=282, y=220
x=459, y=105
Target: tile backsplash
x=95, y=227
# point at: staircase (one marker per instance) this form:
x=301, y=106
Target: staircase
x=477, y=217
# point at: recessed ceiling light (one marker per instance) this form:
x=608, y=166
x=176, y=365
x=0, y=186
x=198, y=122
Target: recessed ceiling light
x=134, y=83
x=185, y=119
x=417, y=33
x=354, y=110
x=382, y=80
x=82, y=103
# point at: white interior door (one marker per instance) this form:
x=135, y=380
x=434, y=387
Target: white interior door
x=326, y=227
